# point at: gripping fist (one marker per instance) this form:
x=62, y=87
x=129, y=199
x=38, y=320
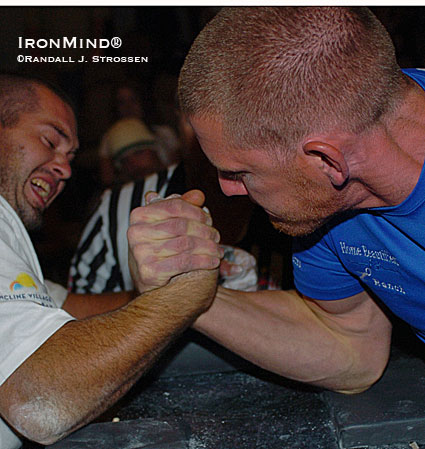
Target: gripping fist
x=171, y=236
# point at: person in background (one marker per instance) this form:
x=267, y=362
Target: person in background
x=67, y=357
x=128, y=102
x=129, y=151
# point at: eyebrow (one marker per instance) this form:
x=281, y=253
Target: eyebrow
x=61, y=132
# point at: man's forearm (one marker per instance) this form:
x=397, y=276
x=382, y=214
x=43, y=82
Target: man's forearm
x=87, y=365
x=281, y=332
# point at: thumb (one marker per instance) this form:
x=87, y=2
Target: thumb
x=195, y=197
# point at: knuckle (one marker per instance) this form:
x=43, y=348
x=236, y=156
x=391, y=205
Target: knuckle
x=204, y=261
x=175, y=206
x=137, y=214
x=139, y=251
x=144, y=255
x=131, y=233
x=185, y=261
x=212, y=247
x=136, y=232
x=207, y=232
x=212, y=234
x=180, y=226
x=148, y=274
x=184, y=243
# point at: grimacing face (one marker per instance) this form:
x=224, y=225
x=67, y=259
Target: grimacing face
x=35, y=157
x=297, y=200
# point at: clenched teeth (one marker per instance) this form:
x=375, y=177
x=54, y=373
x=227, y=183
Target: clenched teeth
x=44, y=187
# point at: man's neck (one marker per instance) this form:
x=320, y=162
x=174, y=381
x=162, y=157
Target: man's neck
x=390, y=157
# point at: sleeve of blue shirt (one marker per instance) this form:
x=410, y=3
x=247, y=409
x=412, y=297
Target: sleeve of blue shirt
x=318, y=271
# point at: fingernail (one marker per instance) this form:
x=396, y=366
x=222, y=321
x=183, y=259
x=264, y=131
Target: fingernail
x=152, y=197
x=172, y=196
x=209, y=221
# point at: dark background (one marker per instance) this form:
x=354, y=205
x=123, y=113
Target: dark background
x=164, y=35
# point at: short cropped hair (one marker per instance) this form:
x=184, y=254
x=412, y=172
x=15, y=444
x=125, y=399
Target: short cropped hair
x=18, y=95
x=273, y=75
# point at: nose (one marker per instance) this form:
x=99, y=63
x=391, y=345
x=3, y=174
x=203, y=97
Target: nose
x=232, y=187
x=61, y=166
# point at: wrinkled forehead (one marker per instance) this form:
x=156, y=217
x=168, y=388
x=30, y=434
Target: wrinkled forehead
x=55, y=110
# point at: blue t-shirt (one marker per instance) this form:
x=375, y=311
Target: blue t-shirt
x=380, y=249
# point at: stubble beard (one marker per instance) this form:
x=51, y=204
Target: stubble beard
x=298, y=228
x=31, y=217
x=315, y=206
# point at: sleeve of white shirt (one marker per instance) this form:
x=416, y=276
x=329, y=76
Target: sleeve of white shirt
x=25, y=326
x=56, y=292
x=28, y=314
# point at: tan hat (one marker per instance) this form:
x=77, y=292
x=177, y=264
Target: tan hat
x=128, y=134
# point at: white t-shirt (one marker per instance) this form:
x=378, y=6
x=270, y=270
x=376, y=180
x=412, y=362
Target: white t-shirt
x=29, y=314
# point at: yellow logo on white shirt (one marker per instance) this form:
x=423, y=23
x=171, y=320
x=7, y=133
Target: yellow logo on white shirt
x=23, y=280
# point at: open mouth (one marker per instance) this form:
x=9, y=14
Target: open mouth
x=42, y=187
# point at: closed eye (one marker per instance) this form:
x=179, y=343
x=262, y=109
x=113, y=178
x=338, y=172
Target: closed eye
x=48, y=142
x=231, y=176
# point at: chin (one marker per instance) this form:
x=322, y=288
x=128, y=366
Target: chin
x=33, y=225
x=297, y=228
x=32, y=221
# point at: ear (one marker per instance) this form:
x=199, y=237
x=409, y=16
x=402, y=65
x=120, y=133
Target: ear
x=330, y=160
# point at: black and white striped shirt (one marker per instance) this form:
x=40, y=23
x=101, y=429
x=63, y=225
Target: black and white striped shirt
x=100, y=262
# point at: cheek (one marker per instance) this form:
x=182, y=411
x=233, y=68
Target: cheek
x=274, y=197
x=262, y=188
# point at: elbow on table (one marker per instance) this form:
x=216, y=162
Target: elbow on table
x=363, y=380
x=41, y=421
x=352, y=390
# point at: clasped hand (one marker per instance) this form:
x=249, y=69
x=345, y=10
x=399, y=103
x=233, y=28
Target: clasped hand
x=170, y=237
